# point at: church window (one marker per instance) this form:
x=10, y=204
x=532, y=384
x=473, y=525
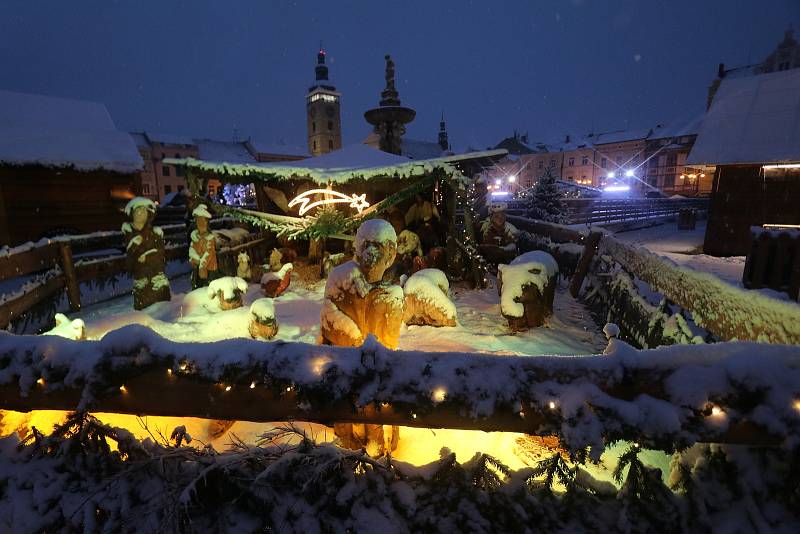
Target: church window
x=313, y=126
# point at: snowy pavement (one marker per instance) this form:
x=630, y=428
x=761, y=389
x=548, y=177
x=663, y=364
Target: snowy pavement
x=192, y=316
x=684, y=247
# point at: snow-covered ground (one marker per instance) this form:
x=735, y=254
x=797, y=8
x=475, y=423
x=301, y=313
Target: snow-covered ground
x=192, y=316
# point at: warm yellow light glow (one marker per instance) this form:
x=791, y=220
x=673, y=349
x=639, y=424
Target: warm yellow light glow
x=40, y=381
x=359, y=202
x=169, y=372
x=782, y=166
x=183, y=367
x=716, y=411
x=439, y=394
x=318, y=364
x=227, y=388
x=552, y=405
x=288, y=388
x=123, y=389
x=252, y=385
x=413, y=415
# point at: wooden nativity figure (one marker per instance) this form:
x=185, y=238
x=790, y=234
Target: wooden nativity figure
x=202, y=249
x=144, y=248
x=358, y=303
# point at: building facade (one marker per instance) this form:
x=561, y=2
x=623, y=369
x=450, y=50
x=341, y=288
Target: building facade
x=160, y=180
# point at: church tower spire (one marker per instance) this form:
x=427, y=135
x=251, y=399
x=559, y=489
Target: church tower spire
x=443, y=142
x=323, y=113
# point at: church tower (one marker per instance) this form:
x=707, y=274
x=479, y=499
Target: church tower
x=443, y=142
x=324, y=119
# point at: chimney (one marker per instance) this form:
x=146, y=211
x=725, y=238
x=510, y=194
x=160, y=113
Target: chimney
x=721, y=70
x=567, y=139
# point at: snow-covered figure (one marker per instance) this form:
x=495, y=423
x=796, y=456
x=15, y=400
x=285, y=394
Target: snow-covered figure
x=545, y=202
x=423, y=218
x=427, y=300
x=357, y=303
x=263, y=324
x=75, y=329
x=144, y=249
x=498, y=238
x=243, y=269
x=408, y=249
x=615, y=344
x=202, y=249
x=275, y=283
x=228, y=290
x=527, y=289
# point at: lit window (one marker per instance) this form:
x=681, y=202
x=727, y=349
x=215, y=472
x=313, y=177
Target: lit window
x=322, y=96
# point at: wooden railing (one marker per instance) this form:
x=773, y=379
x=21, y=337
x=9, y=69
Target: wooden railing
x=774, y=261
x=725, y=310
x=604, y=211
x=240, y=379
x=47, y=269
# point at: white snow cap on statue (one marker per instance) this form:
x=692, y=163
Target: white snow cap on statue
x=229, y=285
x=538, y=256
x=611, y=330
x=376, y=230
x=431, y=286
x=263, y=308
x=138, y=202
x=201, y=211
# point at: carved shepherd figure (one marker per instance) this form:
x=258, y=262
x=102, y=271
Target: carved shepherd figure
x=357, y=303
x=144, y=248
x=202, y=249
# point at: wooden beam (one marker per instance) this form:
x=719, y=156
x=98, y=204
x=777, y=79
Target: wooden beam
x=71, y=279
x=30, y=261
x=17, y=307
x=589, y=251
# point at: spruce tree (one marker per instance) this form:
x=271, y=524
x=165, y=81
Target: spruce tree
x=545, y=200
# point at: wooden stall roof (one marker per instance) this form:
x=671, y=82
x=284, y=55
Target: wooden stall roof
x=349, y=163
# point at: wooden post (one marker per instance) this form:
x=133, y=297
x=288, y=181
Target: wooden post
x=70, y=278
x=589, y=250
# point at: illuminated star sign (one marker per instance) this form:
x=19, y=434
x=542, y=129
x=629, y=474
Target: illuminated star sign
x=359, y=202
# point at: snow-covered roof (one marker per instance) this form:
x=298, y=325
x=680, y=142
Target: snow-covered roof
x=279, y=148
x=754, y=119
x=61, y=132
x=679, y=127
x=620, y=136
x=169, y=139
x=140, y=138
x=226, y=151
x=340, y=166
x=417, y=149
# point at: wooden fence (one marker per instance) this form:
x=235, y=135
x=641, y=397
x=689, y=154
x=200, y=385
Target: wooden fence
x=242, y=379
x=774, y=261
x=605, y=211
x=63, y=264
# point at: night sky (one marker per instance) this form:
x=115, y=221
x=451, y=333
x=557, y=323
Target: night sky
x=203, y=68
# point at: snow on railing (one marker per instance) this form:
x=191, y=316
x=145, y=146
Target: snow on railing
x=725, y=310
x=664, y=398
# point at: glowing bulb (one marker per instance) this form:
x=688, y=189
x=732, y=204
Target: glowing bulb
x=384, y=404
x=512, y=178
x=227, y=388
x=439, y=394
x=413, y=415
x=288, y=388
x=497, y=181
x=183, y=367
x=252, y=385
x=40, y=381
x=629, y=173
x=611, y=175
x=169, y=371
x=522, y=414
x=552, y=405
x=716, y=411
x=796, y=405
x=123, y=389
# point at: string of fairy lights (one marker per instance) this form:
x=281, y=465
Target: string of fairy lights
x=438, y=395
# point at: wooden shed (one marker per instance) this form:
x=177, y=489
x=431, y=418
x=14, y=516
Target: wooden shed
x=64, y=168
x=751, y=133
